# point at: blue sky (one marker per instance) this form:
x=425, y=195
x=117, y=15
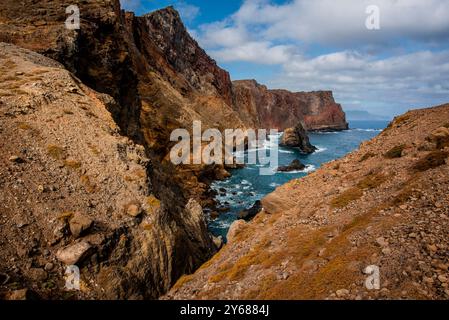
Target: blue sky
x=304, y=45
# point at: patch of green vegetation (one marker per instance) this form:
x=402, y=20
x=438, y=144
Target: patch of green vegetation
x=395, y=152
x=433, y=160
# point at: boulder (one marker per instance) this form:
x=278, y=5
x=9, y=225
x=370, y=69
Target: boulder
x=295, y=165
x=250, y=213
x=297, y=138
x=75, y=253
x=79, y=224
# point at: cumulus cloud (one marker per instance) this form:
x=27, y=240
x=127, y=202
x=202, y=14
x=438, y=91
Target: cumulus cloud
x=187, y=11
x=392, y=85
x=403, y=64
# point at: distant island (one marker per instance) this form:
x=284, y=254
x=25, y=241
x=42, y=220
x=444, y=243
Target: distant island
x=363, y=115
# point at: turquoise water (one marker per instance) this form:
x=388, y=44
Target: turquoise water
x=247, y=185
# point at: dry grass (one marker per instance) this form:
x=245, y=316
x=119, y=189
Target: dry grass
x=56, y=152
x=182, y=281
x=72, y=164
x=65, y=216
x=88, y=184
x=395, y=152
x=346, y=197
x=433, y=160
x=371, y=181
x=24, y=126
x=366, y=156
x=153, y=204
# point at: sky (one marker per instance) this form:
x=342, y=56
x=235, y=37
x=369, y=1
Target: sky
x=399, y=62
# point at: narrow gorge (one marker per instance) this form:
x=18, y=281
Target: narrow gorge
x=152, y=77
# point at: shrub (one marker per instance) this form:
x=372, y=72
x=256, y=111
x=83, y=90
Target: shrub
x=432, y=160
x=395, y=152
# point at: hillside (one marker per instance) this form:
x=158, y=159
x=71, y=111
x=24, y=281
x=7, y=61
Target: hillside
x=385, y=204
x=86, y=117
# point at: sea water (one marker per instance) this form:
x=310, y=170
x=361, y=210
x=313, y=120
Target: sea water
x=247, y=185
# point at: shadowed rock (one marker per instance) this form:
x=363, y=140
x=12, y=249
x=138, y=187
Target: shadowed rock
x=297, y=138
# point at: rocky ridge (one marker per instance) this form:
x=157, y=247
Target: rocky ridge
x=282, y=109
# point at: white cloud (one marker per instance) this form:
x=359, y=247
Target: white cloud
x=398, y=66
x=396, y=83
x=187, y=11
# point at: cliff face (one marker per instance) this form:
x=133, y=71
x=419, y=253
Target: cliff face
x=152, y=77
x=283, y=109
x=384, y=205
x=113, y=53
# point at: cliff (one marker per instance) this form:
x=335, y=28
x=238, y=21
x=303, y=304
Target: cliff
x=282, y=109
x=384, y=205
x=145, y=76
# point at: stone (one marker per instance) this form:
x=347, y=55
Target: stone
x=79, y=224
x=22, y=294
x=218, y=242
x=295, y=165
x=342, y=293
x=134, y=210
x=16, y=159
x=442, y=278
x=250, y=213
x=75, y=253
x=381, y=242
x=386, y=251
x=235, y=228
x=49, y=266
x=297, y=138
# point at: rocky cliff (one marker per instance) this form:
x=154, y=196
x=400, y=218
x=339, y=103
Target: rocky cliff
x=384, y=205
x=282, y=109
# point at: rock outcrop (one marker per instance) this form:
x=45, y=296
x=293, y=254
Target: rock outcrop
x=317, y=236
x=282, y=109
x=293, y=166
x=297, y=138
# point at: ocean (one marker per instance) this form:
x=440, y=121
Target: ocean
x=247, y=186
